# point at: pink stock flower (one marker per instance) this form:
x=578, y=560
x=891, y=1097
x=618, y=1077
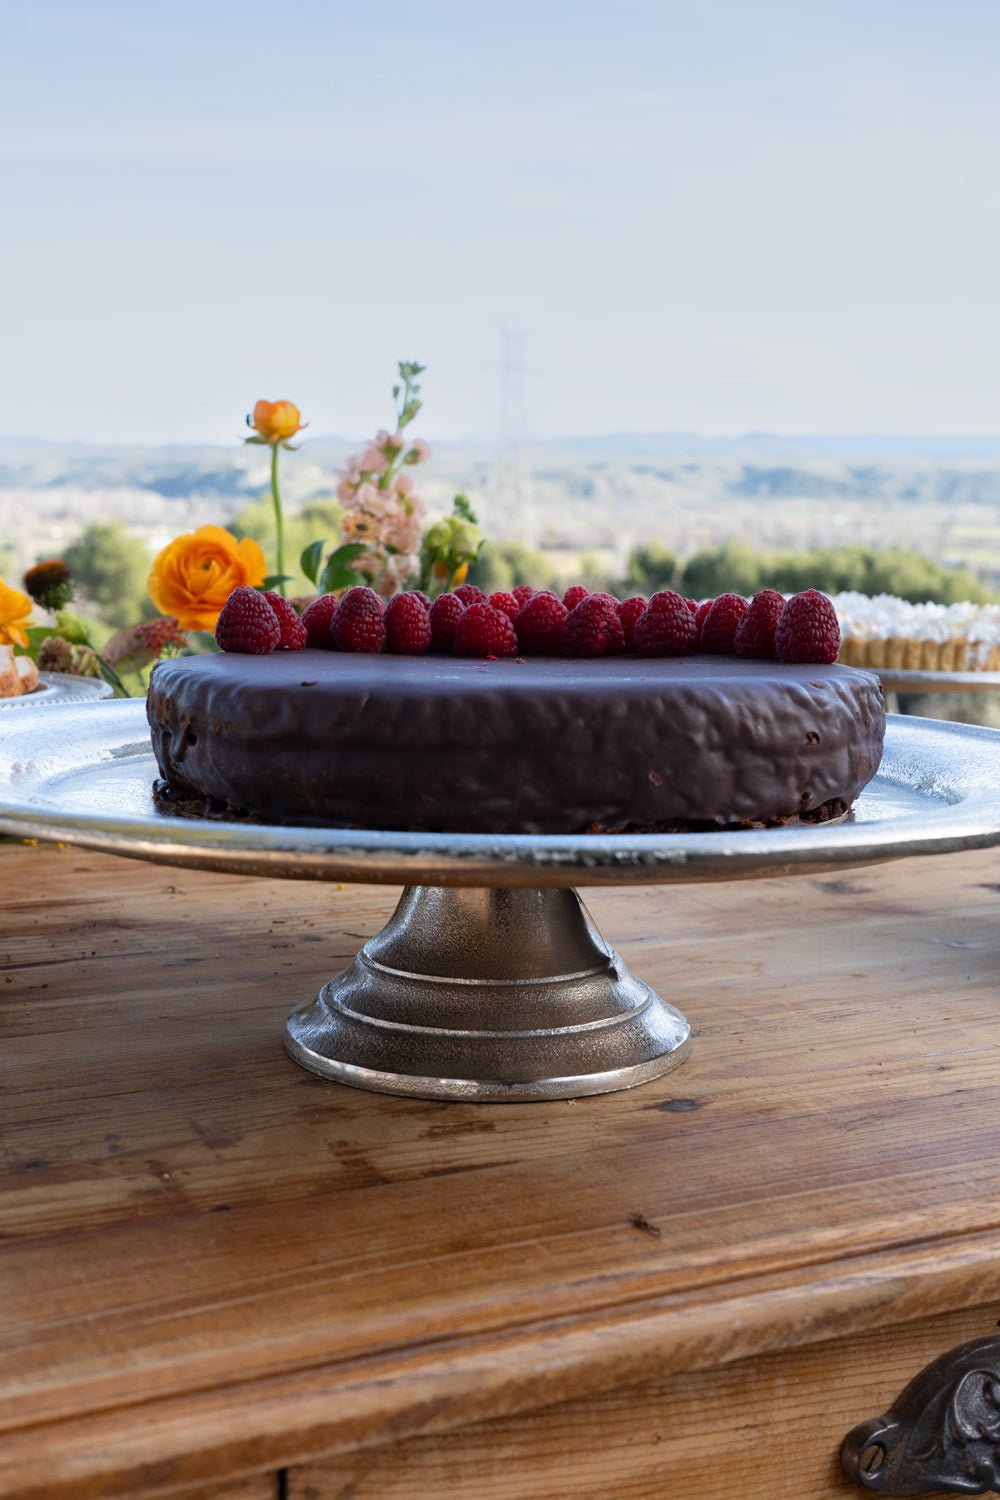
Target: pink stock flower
x=381, y=508
x=394, y=575
x=376, y=502
x=373, y=460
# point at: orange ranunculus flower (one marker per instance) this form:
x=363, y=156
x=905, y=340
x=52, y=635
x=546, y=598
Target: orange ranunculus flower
x=15, y=612
x=277, y=421
x=194, y=575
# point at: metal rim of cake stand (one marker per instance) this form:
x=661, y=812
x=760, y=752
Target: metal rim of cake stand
x=489, y=929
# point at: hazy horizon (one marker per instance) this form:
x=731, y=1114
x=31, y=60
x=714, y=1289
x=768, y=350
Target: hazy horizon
x=916, y=442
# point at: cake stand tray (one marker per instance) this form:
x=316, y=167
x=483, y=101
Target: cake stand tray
x=489, y=982
x=901, y=680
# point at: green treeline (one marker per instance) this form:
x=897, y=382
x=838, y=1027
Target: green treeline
x=111, y=565
x=738, y=568
x=868, y=570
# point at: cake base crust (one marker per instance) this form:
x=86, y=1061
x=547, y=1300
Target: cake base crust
x=186, y=802
x=544, y=745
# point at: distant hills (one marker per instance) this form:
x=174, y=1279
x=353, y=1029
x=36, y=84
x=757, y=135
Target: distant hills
x=940, y=494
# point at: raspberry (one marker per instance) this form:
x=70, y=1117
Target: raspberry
x=701, y=614
x=523, y=593
x=666, y=626
x=470, y=594
x=808, y=629
x=484, y=631
x=539, y=625
x=445, y=613
x=293, y=632
x=593, y=629
x=719, y=629
x=502, y=600
x=316, y=618
x=407, y=625
x=755, y=632
x=628, y=612
x=359, y=624
x=424, y=598
x=692, y=605
x=574, y=594
x=247, y=624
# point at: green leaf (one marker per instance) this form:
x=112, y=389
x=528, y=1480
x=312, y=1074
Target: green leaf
x=337, y=574
x=311, y=558
x=273, y=579
x=201, y=641
x=461, y=507
x=110, y=675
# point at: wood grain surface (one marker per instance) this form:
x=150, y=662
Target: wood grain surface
x=768, y=1428
x=214, y=1264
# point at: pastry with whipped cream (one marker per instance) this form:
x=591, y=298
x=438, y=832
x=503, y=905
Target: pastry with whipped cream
x=884, y=631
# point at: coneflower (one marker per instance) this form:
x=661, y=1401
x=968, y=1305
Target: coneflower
x=50, y=583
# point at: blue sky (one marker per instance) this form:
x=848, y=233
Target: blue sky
x=716, y=217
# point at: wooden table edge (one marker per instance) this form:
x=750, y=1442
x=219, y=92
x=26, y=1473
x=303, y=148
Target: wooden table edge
x=231, y=1432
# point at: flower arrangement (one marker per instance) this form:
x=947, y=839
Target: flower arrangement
x=63, y=646
x=135, y=647
x=384, y=542
x=275, y=423
x=382, y=509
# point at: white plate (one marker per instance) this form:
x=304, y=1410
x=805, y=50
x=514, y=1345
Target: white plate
x=61, y=687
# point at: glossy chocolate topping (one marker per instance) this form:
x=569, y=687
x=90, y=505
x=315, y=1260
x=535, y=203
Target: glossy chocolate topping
x=540, y=746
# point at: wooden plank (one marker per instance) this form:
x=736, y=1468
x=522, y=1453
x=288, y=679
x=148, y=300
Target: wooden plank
x=763, y=1427
x=280, y=1266
x=261, y=1487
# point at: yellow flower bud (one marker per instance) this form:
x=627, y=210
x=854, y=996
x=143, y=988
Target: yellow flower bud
x=277, y=421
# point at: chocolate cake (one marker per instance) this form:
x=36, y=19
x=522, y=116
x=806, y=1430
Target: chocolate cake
x=543, y=745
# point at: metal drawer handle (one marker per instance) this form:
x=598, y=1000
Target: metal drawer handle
x=941, y=1433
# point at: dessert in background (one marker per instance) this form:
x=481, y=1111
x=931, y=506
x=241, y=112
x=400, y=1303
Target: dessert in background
x=887, y=632
x=18, y=674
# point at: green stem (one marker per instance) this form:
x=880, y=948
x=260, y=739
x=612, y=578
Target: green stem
x=110, y=675
x=279, y=519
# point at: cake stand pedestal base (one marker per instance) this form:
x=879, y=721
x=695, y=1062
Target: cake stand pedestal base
x=483, y=994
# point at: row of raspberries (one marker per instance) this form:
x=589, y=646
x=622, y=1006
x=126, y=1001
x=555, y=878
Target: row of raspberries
x=525, y=622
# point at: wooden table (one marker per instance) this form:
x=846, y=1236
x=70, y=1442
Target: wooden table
x=222, y=1276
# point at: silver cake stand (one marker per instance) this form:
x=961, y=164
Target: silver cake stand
x=489, y=982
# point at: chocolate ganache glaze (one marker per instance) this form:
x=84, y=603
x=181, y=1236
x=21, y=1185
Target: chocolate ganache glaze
x=536, y=746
